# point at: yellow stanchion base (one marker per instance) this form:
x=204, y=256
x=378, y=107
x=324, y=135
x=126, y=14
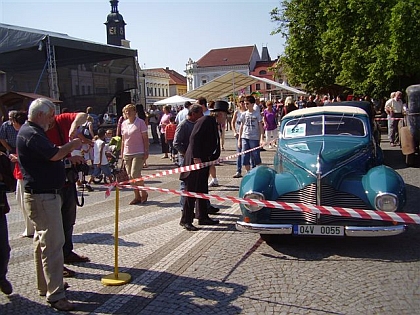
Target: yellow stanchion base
x=121, y=279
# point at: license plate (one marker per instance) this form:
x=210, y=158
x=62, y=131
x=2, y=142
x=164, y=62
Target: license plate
x=318, y=230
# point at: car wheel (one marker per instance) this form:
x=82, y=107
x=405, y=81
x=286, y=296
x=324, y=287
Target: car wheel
x=409, y=159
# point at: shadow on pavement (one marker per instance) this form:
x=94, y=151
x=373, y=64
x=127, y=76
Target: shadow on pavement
x=401, y=248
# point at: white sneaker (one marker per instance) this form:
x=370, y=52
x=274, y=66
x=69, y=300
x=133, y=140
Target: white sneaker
x=214, y=183
x=269, y=146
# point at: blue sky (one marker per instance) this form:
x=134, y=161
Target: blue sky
x=165, y=33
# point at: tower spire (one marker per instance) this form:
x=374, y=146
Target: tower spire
x=114, y=6
x=115, y=25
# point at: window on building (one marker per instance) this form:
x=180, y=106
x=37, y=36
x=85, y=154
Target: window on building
x=262, y=72
x=258, y=86
x=268, y=86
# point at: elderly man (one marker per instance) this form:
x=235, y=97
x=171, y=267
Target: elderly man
x=204, y=146
x=38, y=157
x=61, y=129
x=394, y=108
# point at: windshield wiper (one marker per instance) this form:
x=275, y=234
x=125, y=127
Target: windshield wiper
x=294, y=127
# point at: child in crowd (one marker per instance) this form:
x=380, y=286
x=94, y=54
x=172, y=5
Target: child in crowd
x=100, y=160
x=108, y=135
x=169, y=137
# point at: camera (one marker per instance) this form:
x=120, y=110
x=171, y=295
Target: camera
x=67, y=163
x=83, y=168
x=73, y=170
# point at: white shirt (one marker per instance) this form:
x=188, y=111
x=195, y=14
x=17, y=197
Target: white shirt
x=97, y=152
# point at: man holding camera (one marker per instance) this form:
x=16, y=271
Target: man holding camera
x=62, y=129
x=38, y=156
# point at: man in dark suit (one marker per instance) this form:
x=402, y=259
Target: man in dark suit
x=204, y=146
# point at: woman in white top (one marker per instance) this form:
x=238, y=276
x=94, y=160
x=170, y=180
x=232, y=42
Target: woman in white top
x=236, y=124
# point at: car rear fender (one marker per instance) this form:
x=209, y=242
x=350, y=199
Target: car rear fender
x=383, y=179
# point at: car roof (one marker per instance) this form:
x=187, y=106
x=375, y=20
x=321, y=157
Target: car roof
x=326, y=109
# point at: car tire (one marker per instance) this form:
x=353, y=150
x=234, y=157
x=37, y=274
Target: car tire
x=409, y=159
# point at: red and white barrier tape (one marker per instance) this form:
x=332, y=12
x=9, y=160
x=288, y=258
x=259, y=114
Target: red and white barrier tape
x=188, y=168
x=389, y=118
x=408, y=218
x=178, y=170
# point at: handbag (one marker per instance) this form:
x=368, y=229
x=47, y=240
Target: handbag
x=122, y=175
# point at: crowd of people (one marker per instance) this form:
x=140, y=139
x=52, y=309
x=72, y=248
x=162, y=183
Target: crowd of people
x=39, y=142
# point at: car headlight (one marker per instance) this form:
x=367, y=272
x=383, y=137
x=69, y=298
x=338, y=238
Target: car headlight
x=386, y=202
x=253, y=195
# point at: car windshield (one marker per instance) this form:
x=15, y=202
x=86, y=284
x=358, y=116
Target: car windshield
x=324, y=125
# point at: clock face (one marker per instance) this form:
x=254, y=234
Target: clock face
x=121, y=31
x=112, y=30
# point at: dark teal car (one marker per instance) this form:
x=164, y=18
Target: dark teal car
x=327, y=156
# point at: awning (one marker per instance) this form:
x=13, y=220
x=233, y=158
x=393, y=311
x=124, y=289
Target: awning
x=222, y=86
x=232, y=82
x=280, y=86
x=19, y=101
x=174, y=100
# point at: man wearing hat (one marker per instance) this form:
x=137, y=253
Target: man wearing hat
x=204, y=146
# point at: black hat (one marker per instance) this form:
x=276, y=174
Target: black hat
x=221, y=106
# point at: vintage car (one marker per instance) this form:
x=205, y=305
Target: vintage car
x=326, y=156
x=410, y=126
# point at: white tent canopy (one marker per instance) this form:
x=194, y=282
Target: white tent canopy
x=174, y=100
x=232, y=82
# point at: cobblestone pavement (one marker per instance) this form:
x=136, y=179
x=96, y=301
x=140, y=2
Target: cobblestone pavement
x=218, y=270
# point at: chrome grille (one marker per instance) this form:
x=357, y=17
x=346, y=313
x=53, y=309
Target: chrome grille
x=290, y=216
x=307, y=195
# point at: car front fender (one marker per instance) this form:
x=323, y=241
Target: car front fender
x=383, y=179
x=259, y=179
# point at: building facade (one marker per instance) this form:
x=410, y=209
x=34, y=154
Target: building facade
x=246, y=60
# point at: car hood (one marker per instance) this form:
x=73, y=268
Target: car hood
x=316, y=155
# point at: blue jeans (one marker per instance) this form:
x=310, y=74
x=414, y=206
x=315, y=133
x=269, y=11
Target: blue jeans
x=252, y=157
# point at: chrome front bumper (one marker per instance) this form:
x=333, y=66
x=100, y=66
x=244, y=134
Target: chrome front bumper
x=351, y=231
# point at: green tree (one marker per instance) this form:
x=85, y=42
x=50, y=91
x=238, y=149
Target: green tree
x=370, y=46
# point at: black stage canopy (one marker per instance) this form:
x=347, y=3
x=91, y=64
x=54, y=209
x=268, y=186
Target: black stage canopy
x=25, y=49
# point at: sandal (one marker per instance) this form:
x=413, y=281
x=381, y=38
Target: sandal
x=135, y=201
x=143, y=200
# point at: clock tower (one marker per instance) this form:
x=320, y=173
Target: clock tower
x=115, y=25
